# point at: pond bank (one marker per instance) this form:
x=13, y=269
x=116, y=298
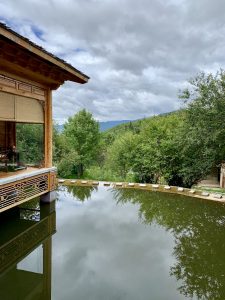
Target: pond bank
x=194, y=193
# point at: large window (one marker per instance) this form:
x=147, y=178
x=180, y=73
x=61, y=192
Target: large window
x=21, y=132
x=21, y=146
x=30, y=144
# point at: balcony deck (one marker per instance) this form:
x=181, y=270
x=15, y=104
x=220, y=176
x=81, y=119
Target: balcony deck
x=21, y=186
x=8, y=177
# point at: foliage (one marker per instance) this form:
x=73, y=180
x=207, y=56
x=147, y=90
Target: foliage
x=157, y=153
x=203, y=133
x=133, y=127
x=58, y=144
x=81, y=140
x=30, y=143
x=67, y=165
x=121, y=154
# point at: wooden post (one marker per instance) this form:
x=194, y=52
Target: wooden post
x=48, y=129
x=222, y=176
x=47, y=268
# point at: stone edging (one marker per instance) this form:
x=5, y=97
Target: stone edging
x=219, y=197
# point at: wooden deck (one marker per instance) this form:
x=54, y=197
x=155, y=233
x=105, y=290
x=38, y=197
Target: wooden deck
x=9, y=177
x=21, y=186
x=25, y=171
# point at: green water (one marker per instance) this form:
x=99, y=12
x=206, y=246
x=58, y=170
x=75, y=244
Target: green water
x=104, y=243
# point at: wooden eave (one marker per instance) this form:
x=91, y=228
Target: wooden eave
x=21, y=57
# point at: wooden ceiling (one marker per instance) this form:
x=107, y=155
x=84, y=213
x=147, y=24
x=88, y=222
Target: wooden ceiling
x=21, y=57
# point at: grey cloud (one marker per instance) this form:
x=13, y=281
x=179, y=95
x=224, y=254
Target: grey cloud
x=137, y=53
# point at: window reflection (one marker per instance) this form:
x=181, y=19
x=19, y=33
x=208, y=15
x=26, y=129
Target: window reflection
x=25, y=251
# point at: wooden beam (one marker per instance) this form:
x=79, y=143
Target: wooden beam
x=12, y=86
x=26, y=73
x=22, y=79
x=43, y=55
x=48, y=129
x=32, y=65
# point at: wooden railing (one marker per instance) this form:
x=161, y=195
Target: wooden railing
x=17, y=192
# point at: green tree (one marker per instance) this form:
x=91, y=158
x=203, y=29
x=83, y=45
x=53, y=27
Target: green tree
x=82, y=136
x=68, y=163
x=121, y=153
x=157, y=153
x=30, y=143
x=59, y=147
x=203, y=145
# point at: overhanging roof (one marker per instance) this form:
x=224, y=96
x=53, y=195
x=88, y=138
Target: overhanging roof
x=22, y=57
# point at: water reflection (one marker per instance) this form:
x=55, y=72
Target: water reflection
x=25, y=251
x=81, y=193
x=104, y=253
x=199, y=231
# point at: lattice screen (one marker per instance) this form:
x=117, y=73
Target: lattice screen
x=25, y=189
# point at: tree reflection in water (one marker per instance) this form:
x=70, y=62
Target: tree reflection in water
x=81, y=193
x=198, y=227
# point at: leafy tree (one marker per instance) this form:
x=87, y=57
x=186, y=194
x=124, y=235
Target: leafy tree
x=157, y=154
x=68, y=163
x=121, y=154
x=82, y=135
x=30, y=143
x=110, y=135
x=203, y=133
x=59, y=146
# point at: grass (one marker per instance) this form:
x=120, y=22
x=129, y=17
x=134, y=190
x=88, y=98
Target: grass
x=209, y=189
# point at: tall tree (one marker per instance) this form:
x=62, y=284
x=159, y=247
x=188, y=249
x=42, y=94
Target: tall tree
x=30, y=143
x=204, y=128
x=120, y=154
x=83, y=137
x=157, y=154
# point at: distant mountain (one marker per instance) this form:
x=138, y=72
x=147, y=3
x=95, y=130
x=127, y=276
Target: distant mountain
x=103, y=125
x=135, y=125
x=109, y=124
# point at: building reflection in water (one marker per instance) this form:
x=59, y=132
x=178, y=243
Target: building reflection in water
x=26, y=251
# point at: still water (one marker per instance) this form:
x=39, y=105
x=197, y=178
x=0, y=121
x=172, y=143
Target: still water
x=112, y=244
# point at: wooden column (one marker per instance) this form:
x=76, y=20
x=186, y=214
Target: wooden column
x=47, y=268
x=222, y=176
x=48, y=129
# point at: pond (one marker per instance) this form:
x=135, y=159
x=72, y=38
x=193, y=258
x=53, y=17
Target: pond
x=105, y=243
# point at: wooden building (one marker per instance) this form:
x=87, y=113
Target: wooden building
x=24, y=232
x=28, y=74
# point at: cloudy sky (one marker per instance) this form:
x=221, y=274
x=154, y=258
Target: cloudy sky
x=139, y=54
